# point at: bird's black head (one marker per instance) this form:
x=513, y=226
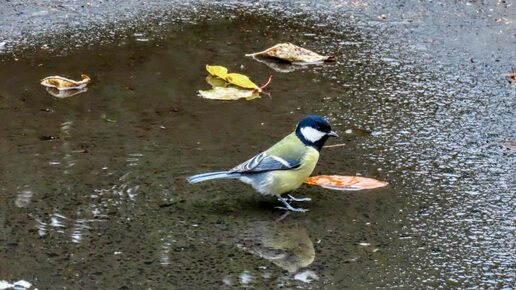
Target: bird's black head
x=314, y=130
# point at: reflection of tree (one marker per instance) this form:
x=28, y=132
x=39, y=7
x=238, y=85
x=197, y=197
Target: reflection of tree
x=287, y=246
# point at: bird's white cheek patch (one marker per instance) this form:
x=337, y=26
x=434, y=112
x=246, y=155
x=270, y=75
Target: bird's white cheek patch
x=311, y=134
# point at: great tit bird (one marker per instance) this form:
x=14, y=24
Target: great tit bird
x=283, y=167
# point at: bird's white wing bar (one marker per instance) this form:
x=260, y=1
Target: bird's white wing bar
x=263, y=162
x=249, y=164
x=282, y=161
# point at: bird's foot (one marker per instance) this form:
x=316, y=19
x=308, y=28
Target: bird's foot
x=292, y=198
x=288, y=207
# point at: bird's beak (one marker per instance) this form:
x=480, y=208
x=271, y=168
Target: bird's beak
x=333, y=134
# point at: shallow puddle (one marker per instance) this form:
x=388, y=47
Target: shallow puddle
x=93, y=191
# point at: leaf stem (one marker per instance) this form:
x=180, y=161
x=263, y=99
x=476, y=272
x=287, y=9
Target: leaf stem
x=267, y=83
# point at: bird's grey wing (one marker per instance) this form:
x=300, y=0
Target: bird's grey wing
x=264, y=162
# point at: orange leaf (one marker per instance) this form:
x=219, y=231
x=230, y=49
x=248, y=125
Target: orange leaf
x=338, y=182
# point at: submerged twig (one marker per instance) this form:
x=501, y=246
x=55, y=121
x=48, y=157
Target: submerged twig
x=335, y=145
x=282, y=217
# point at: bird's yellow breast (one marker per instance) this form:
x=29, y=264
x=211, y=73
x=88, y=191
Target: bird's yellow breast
x=289, y=180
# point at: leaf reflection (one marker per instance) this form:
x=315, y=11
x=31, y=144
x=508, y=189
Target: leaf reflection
x=65, y=94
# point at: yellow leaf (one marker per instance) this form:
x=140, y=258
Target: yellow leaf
x=216, y=82
x=228, y=94
x=217, y=70
x=293, y=53
x=338, y=182
x=241, y=81
x=62, y=83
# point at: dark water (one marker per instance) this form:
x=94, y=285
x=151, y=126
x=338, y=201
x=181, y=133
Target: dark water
x=93, y=191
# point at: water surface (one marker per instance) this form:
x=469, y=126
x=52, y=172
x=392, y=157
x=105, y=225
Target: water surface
x=93, y=191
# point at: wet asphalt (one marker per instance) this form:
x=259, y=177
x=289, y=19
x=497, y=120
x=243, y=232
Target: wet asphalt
x=93, y=191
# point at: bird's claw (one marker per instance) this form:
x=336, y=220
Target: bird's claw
x=292, y=198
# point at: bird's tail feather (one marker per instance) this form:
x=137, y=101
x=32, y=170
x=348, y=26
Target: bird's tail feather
x=211, y=175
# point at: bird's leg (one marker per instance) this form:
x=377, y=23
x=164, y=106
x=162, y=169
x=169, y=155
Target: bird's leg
x=288, y=206
x=292, y=198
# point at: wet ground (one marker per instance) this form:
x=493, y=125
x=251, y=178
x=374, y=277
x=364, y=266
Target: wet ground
x=93, y=195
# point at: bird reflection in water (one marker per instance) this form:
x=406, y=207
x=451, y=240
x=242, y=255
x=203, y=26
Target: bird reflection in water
x=285, y=244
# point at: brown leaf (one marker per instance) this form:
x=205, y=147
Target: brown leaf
x=509, y=144
x=62, y=83
x=512, y=77
x=293, y=53
x=338, y=182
